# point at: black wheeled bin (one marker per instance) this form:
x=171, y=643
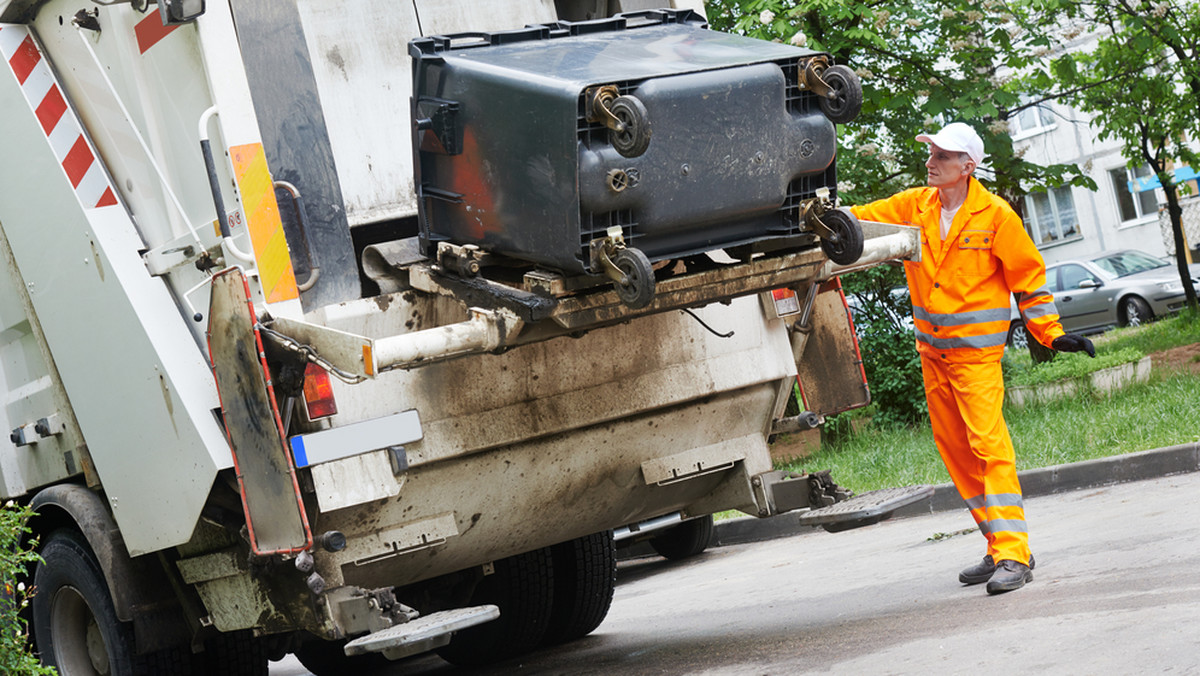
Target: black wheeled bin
x=646, y=130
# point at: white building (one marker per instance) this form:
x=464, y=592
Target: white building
x=1072, y=222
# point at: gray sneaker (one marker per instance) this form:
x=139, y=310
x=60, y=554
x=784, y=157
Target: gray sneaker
x=1009, y=576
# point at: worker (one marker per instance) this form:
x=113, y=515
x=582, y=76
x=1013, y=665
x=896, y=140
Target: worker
x=974, y=255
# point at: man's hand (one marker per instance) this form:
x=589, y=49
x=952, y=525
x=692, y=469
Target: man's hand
x=1070, y=342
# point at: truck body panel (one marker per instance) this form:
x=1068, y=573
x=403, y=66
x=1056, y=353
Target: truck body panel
x=481, y=414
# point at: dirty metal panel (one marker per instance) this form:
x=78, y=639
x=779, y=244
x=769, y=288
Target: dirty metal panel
x=297, y=141
x=266, y=477
x=403, y=539
x=831, y=374
x=695, y=462
x=356, y=480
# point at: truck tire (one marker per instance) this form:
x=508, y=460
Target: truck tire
x=74, y=623
x=328, y=658
x=687, y=539
x=585, y=576
x=236, y=653
x=522, y=586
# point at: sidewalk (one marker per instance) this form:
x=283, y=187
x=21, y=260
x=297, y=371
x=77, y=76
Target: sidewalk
x=1035, y=482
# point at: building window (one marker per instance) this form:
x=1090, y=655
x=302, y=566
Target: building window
x=1032, y=120
x=1050, y=216
x=1133, y=205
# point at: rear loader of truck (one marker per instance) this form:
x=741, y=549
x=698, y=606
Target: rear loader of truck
x=353, y=330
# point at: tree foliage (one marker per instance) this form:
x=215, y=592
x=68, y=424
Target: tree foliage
x=923, y=63
x=1144, y=57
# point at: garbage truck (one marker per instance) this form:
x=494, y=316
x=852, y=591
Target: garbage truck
x=354, y=330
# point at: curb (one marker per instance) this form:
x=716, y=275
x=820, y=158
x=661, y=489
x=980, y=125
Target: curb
x=1117, y=469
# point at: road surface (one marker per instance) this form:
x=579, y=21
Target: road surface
x=1116, y=591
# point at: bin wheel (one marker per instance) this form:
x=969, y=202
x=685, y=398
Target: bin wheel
x=633, y=140
x=848, y=246
x=638, y=289
x=847, y=94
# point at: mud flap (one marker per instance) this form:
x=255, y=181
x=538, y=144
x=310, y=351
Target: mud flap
x=266, y=475
x=829, y=365
x=866, y=509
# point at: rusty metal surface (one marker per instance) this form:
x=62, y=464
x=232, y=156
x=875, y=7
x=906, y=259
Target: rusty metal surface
x=830, y=370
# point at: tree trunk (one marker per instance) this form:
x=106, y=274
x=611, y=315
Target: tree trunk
x=1176, y=214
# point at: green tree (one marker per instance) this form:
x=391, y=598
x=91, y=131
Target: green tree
x=1145, y=57
x=17, y=556
x=922, y=63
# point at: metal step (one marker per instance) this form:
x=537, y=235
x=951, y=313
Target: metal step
x=865, y=509
x=422, y=634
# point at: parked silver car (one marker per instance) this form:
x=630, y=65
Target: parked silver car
x=1111, y=288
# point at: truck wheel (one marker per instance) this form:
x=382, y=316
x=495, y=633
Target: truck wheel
x=235, y=654
x=847, y=94
x=638, y=290
x=585, y=575
x=849, y=245
x=522, y=586
x=74, y=623
x=328, y=658
x=687, y=539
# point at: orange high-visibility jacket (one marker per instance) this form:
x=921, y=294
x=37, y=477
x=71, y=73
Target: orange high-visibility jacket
x=961, y=287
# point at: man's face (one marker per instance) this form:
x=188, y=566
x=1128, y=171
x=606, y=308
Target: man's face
x=947, y=167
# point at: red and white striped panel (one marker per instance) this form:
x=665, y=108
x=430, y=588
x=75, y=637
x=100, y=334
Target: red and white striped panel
x=45, y=98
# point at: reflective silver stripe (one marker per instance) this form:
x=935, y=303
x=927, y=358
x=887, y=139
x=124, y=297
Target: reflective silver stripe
x=1006, y=500
x=1039, y=310
x=960, y=318
x=1044, y=291
x=996, y=500
x=986, y=340
x=1003, y=526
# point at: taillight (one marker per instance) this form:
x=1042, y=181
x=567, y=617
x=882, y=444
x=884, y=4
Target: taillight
x=318, y=393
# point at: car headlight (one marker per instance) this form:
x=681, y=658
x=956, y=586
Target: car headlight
x=1173, y=286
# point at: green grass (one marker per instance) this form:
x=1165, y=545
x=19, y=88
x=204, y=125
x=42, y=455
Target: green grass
x=1158, y=413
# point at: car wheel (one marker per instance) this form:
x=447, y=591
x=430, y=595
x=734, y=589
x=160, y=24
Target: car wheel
x=1018, y=336
x=1135, y=311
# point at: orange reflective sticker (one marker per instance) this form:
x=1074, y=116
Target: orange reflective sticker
x=262, y=218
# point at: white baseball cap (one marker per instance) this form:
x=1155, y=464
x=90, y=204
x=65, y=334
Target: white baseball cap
x=957, y=137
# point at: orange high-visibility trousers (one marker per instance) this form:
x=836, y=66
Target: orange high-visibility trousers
x=965, y=402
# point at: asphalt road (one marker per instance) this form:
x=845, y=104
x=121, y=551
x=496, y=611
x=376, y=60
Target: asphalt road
x=1116, y=591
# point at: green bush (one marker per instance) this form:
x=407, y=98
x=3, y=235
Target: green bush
x=15, y=559
x=1067, y=365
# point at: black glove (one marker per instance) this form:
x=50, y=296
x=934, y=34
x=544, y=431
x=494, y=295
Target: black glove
x=1070, y=342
